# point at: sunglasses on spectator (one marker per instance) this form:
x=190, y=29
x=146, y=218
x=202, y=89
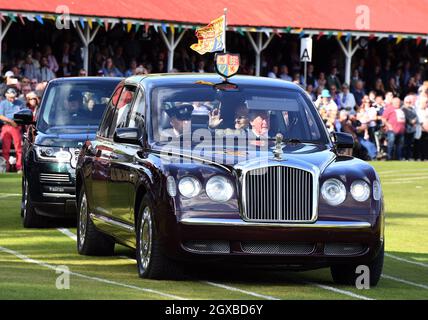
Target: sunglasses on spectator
x=32, y=99
x=33, y=82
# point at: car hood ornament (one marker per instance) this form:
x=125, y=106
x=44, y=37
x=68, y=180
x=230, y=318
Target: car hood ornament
x=277, y=150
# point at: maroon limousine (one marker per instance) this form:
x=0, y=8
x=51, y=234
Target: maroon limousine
x=194, y=168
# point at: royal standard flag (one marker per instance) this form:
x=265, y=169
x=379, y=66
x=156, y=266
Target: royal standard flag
x=211, y=37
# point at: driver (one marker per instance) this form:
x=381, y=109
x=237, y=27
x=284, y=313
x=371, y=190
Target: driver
x=180, y=119
x=72, y=109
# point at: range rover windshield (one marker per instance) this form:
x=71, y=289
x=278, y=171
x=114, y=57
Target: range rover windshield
x=255, y=113
x=74, y=105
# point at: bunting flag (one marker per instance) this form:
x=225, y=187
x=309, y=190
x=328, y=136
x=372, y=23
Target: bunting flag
x=82, y=22
x=21, y=18
x=11, y=17
x=39, y=19
x=211, y=37
x=208, y=36
x=348, y=37
x=276, y=32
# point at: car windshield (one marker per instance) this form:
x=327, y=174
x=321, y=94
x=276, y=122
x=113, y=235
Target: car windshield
x=190, y=112
x=74, y=104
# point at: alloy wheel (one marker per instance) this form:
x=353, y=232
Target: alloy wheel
x=145, y=239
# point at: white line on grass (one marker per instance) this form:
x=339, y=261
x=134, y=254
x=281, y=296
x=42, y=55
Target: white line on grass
x=52, y=267
x=9, y=195
x=235, y=289
x=405, y=281
x=402, y=170
x=68, y=233
x=230, y=288
x=345, y=292
x=405, y=260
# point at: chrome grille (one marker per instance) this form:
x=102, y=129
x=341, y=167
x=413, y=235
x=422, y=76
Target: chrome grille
x=278, y=194
x=54, y=177
x=277, y=248
x=208, y=246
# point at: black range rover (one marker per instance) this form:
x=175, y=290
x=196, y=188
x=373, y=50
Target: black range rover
x=69, y=114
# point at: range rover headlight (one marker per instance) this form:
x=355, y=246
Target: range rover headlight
x=377, y=190
x=333, y=191
x=360, y=190
x=219, y=189
x=53, y=154
x=189, y=187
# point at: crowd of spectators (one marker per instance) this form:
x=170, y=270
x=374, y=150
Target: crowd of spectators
x=383, y=107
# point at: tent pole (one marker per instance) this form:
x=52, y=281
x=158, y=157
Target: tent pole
x=2, y=35
x=171, y=44
x=258, y=48
x=86, y=38
x=349, y=53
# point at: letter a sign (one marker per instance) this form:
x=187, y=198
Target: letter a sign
x=306, y=49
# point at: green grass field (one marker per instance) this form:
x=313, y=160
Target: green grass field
x=28, y=258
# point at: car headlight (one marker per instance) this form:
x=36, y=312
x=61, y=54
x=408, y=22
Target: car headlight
x=333, y=191
x=189, y=187
x=377, y=190
x=360, y=190
x=53, y=154
x=219, y=188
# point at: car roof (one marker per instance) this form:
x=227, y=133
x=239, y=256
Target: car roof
x=165, y=79
x=85, y=79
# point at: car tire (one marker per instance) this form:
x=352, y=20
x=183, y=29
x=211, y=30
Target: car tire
x=346, y=274
x=90, y=241
x=30, y=219
x=151, y=262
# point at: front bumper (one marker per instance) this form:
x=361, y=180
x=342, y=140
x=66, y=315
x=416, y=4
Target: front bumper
x=356, y=240
x=52, y=188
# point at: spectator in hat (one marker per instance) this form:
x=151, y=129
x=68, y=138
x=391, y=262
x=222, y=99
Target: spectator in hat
x=32, y=102
x=10, y=130
x=327, y=108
